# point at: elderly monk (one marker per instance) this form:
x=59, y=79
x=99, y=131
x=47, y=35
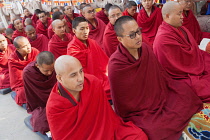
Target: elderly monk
x=19, y=29
x=149, y=19
x=38, y=41
x=23, y=55
x=81, y=98
x=103, y=14
x=60, y=40
x=27, y=14
x=69, y=17
x=110, y=41
x=190, y=22
x=8, y=34
x=42, y=26
x=39, y=79
x=178, y=52
x=88, y=52
x=143, y=92
x=5, y=51
x=130, y=9
x=96, y=25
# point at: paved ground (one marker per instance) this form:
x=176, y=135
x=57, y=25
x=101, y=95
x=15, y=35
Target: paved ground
x=12, y=117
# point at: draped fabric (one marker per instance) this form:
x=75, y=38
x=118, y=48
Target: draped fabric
x=41, y=43
x=102, y=16
x=42, y=29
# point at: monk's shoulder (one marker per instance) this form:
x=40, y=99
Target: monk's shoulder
x=34, y=51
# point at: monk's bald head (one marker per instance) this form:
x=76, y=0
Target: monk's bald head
x=30, y=32
x=28, y=21
x=3, y=44
x=58, y=27
x=29, y=28
x=56, y=22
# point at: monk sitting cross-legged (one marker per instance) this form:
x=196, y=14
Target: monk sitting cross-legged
x=77, y=108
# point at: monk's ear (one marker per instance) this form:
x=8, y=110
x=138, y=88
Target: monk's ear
x=58, y=77
x=119, y=39
x=37, y=65
x=73, y=30
x=167, y=16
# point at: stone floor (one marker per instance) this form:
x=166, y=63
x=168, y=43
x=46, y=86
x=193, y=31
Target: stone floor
x=12, y=117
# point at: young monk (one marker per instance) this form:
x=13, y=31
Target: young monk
x=27, y=14
x=130, y=9
x=60, y=40
x=178, y=52
x=77, y=108
x=103, y=14
x=88, y=52
x=23, y=55
x=190, y=22
x=35, y=17
x=96, y=25
x=39, y=79
x=143, y=92
x=110, y=41
x=149, y=19
x=19, y=29
x=5, y=51
x=8, y=34
x=38, y=41
x=44, y=23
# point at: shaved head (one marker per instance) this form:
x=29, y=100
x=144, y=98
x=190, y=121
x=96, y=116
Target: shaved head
x=28, y=21
x=169, y=7
x=9, y=31
x=55, y=22
x=29, y=28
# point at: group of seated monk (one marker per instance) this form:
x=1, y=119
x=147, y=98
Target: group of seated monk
x=67, y=71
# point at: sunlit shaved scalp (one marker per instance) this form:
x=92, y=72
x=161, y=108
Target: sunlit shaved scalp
x=64, y=61
x=29, y=28
x=55, y=22
x=86, y=6
x=28, y=21
x=168, y=8
x=114, y=7
x=9, y=31
x=17, y=40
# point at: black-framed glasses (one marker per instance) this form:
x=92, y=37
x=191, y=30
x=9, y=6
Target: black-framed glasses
x=133, y=35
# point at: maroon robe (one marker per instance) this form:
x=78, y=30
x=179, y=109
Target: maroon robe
x=178, y=52
x=145, y=94
x=37, y=89
x=125, y=13
x=18, y=33
x=50, y=31
x=41, y=43
x=42, y=29
x=69, y=22
x=102, y=16
x=11, y=26
x=35, y=19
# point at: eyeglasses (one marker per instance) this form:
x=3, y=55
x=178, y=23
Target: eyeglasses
x=133, y=35
x=116, y=15
x=91, y=11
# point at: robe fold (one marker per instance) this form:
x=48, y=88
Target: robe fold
x=91, y=118
x=102, y=16
x=18, y=33
x=94, y=61
x=150, y=24
x=16, y=66
x=34, y=18
x=145, y=94
x=4, y=70
x=11, y=26
x=57, y=46
x=110, y=41
x=177, y=51
x=50, y=32
x=190, y=22
x=42, y=29
x=125, y=13
x=69, y=22
x=37, y=89
x=41, y=43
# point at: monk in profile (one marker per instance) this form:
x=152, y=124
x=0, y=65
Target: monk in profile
x=19, y=29
x=130, y=9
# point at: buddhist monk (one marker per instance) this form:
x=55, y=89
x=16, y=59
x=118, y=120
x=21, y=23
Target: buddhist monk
x=19, y=29
x=27, y=14
x=5, y=51
x=28, y=21
x=60, y=40
x=55, y=9
x=103, y=14
x=149, y=19
x=69, y=17
x=8, y=34
x=143, y=92
x=110, y=41
x=178, y=52
x=38, y=41
x=77, y=103
x=11, y=25
x=23, y=55
x=81, y=6
x=88, y=52
x=190, y=22
x=96, y=25
x=42, y=26
x=130, y=9
x=35, y=17
x=39, y=79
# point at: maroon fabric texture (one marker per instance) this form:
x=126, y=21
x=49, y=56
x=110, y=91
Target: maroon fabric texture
x=42, y=29
x=145, y=94
x=41, y=43
x=34, y=19
x=102, y=16
x=125, y=13
x=11, y=26
x=50, y=32
x=18, y=33
x=69, y=22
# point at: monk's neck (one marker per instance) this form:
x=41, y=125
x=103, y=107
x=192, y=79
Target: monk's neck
x=62, y=37
x=71, y=17
x=149, y=11
x=76, y=96
x=185, y=12
x=93, y=22
x=134, y=53
x=24, y=56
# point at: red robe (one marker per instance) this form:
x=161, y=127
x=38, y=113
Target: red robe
x=4, y=70
x=98, y=32
x=92, y=118
x=41, y=43
x=37, y=89
x=190, y=22
x=11, y=26
x=57, y=46
x=150, y=24
x=69, y=22
x=101, y=15
x=16, y=66
x=179, y=54
x=18, y=33
x=92, y=58
x=125, y=13
x=110, y=41
x=42, y=29
x=50, y=31
x=34, y=19
x=145, y=94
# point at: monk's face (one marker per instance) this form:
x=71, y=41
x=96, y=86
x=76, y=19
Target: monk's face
x=175, y=17
x=59, y=28
x=26, y=13
x=68, y=10
x=46, y=70
x=31, y=34
x=186, y=4
x=3, y=43
x=147, y=4
x=18, y=25
x=131, y=37
x=88, y=13
x=82, y=31
x=114, y=14
x=24, y=46
x=132, y=10
x=43, y=17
